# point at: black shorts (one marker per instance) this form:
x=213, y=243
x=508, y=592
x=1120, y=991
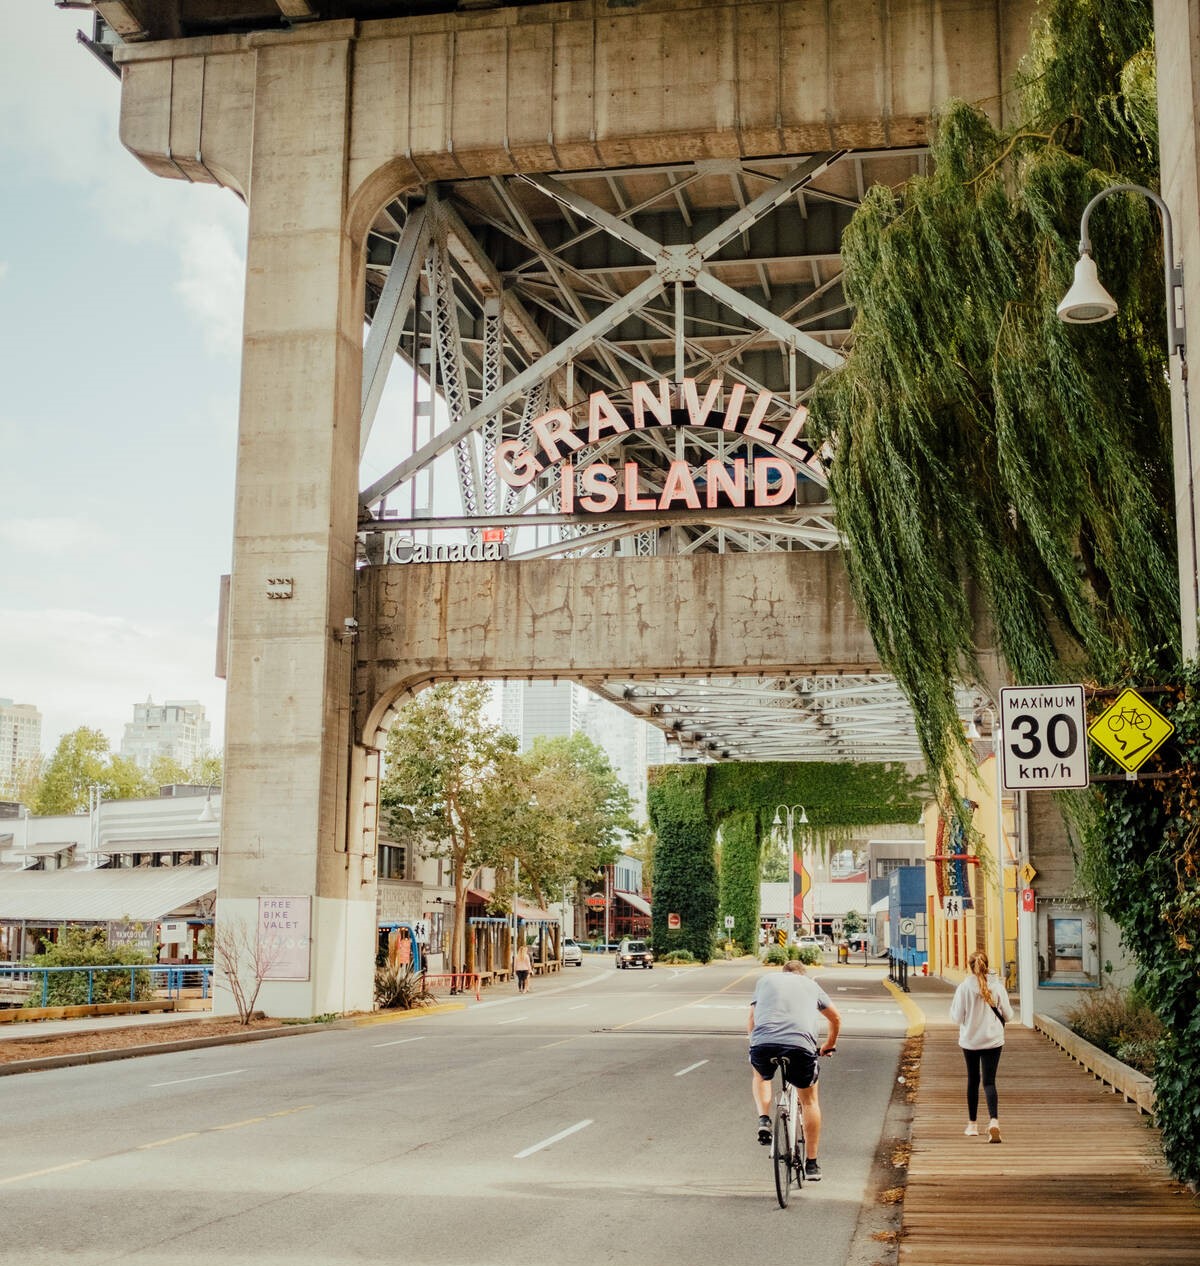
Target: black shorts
x=801, y=1068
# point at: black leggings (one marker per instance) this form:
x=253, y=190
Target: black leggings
x=985, y=1062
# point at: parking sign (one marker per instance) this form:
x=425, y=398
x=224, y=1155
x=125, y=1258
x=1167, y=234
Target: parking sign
x=1043, y=736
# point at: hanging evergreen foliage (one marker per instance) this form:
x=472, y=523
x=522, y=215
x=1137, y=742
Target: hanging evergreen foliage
x=976, y=438
x=738, y=869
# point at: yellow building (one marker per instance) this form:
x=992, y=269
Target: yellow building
x=964, y=865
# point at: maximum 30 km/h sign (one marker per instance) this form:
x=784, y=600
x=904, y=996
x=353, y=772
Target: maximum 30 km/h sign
x=1043, y=734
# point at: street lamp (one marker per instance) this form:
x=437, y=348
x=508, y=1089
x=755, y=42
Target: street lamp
x=791, y=815
x=1087, y=302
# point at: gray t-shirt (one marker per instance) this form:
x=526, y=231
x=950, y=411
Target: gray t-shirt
x=787, y=1009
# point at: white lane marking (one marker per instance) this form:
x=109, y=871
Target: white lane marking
x=691, y=1068
x=207, y=1077
x=398, y=1042
x=542, y=991
x=515, y=1020
x=554, y=1138
x=579, y=1006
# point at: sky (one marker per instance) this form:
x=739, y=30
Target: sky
x=120, y=330
x=120, y=306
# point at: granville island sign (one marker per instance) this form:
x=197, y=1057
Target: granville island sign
x=599, y=487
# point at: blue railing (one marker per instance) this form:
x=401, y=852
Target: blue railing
x=168, y=980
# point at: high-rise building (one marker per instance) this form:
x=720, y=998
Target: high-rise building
x=176, y=729
x=536, y=709
x=20, y=742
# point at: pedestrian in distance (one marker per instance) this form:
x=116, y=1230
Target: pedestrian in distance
x=523, y=966
x=980, y=1008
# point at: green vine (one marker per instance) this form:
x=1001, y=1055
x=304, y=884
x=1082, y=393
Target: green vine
x=685, y=872
x=1141, y=857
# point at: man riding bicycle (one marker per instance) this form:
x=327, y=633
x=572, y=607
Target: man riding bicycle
x=785, y=1014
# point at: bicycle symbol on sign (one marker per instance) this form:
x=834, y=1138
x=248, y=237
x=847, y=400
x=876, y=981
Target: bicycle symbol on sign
x=1135, y=720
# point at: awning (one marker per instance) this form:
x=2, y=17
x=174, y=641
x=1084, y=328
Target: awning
x=532, y=914
x=631, y=898
x=143, y=895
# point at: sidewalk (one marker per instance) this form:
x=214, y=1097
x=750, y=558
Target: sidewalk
x=1078, y=1181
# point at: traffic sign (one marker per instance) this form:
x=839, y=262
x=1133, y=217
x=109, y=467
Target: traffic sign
x=1028, y=873
x=729, y=920
x=908, y=927
x=1042, y=737
x=672, y=921
x=1028, y=901
x=952, y=907
x=1130, y=730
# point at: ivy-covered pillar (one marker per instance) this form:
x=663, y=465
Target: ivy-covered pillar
x=685, y=873
x=740, y=866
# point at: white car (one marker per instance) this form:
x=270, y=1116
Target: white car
x=817, y=941
x=571, y=953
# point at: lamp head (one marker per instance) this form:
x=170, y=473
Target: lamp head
x=1087, y=302
x=803, y=818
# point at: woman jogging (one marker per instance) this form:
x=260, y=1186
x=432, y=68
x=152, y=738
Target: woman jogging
x=979, y=1008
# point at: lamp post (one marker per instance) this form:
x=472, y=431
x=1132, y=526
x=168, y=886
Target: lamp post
x=994, y=721
x=1086, y=303
x=789, y=816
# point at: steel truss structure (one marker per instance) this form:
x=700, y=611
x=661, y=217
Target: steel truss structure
x=513, y=295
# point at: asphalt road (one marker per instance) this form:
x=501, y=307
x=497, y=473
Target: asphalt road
x=604, y=1117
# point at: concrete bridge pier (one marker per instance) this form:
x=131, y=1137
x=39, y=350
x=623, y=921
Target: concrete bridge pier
x=288, y=750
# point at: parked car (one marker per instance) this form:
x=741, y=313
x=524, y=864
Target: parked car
x=634, y=954
x=571, y=953
x=817, y=941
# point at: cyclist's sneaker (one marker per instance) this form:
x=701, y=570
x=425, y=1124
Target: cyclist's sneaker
x=812, y=1170
x=764, y=1130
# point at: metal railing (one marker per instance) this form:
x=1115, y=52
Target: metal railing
x=163, y=979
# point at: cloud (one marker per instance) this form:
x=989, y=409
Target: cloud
x=52, y=536
x=212, y=282
x=78, y=668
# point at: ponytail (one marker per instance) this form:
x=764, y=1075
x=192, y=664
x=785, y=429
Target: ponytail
x=978, y=963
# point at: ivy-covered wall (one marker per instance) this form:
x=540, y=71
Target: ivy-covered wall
x=688, y=803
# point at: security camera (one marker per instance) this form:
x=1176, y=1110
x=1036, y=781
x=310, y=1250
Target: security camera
x=350, y=624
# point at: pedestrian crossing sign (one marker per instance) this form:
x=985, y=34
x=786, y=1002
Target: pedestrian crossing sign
x=1130, y=730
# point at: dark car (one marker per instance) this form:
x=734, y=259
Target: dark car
x=634, y=954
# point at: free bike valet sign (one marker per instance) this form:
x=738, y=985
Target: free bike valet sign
x=1043, y=735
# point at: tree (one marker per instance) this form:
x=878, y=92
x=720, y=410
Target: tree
x=566, y=814
x=442, y=754
x=205, y=771
x=245, y=959
x=89, y=947
x=81, y=761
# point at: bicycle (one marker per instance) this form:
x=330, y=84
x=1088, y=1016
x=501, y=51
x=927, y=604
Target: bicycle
x=788, y=1153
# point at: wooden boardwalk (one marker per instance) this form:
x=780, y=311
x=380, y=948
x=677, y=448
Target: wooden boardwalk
x=1078, y=1181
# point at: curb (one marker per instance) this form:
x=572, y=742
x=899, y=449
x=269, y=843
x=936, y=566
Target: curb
x=222, y=1039
x=912, y=1013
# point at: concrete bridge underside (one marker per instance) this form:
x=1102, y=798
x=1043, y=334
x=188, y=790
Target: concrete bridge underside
x=396, y=162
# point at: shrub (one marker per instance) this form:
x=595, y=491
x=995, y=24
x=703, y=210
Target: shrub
x=89, y=947
x=678, y=956
x=400, y=989
x=775, y=956
x=809, y=955
x=1120, y=1024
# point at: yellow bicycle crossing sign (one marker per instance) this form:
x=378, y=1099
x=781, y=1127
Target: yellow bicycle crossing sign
x=1130, y=730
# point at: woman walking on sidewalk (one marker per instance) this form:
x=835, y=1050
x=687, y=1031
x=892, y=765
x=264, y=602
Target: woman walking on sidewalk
x=980, y=1008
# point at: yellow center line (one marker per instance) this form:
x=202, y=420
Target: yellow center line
x=175, y=1138
x=145, y=1147
x=38, y=1173
x=691, y=1003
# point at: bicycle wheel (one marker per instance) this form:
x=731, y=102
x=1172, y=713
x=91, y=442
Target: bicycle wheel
x=781, y=1154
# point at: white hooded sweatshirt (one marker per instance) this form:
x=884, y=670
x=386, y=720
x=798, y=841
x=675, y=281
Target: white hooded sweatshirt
x=978, y=1028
